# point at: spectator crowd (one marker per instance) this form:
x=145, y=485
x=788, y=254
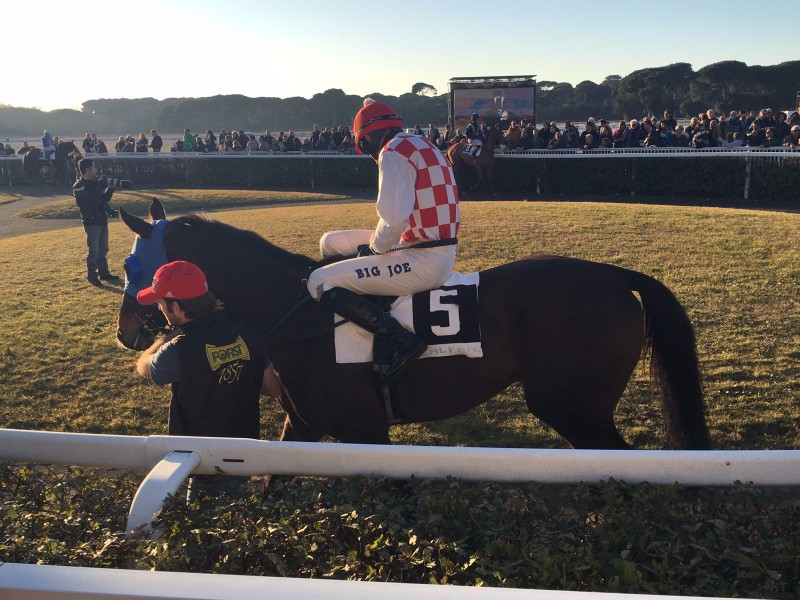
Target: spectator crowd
x=708, y=130
x=331, y=139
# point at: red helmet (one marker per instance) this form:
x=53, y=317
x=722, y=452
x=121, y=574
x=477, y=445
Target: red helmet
x=374, y=116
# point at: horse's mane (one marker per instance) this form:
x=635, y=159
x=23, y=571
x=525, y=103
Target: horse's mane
x=234, y=241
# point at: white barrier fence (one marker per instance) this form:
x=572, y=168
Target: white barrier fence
x=36, y=582
x=170, y=460
x=744, y=151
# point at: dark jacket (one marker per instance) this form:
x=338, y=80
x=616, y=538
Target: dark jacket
x=92, y=201
x=474, y=131
x=222, y=366
x=632, y=136
x=156, y=143
x=756, y=138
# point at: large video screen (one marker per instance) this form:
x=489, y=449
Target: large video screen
x=495, y=105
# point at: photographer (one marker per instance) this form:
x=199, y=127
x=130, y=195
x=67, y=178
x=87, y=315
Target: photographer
x=92, y=196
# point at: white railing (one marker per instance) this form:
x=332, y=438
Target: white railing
x=522, y=154
x=170, y=460
x=651, y=152
x=29, y=582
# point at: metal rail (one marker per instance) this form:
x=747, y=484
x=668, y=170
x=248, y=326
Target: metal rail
x=521, y=154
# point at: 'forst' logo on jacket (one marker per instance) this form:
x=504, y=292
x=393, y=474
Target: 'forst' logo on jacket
x=220, y=355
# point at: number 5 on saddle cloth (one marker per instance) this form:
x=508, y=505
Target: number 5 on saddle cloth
x=447, y=319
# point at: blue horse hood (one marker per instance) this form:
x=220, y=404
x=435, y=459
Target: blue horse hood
x=146, y=256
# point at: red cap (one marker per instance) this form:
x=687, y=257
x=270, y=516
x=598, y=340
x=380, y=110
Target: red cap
x=179, y=280
x=374, y=116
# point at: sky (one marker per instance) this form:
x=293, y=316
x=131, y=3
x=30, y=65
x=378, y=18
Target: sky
x=75, y=52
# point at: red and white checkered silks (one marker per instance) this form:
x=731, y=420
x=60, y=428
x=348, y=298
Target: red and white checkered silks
x=436, y=214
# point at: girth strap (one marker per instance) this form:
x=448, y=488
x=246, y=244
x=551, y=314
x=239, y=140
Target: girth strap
x=428, y=244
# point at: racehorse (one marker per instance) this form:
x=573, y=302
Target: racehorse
x=483, y=164
x=570, y=331
x=32, y=162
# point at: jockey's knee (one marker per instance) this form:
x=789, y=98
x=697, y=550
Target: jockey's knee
x=324, y=244
x=315, y=285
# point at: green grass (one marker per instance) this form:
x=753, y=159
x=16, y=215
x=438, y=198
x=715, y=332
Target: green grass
x=736, y=272
x=186, y=201
x=8, y=198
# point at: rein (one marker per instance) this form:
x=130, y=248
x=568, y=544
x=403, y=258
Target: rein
x=302, y=297
x=285, y=318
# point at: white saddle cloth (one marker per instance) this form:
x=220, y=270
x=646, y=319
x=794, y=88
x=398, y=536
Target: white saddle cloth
x=354, y=344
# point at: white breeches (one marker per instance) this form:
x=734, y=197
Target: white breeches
x=396, y=273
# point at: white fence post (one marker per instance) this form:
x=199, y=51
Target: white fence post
x=165, y=479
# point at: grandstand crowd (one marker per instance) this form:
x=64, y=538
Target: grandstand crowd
x=708, y=130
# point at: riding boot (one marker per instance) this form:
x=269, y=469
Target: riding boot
x=405, y=346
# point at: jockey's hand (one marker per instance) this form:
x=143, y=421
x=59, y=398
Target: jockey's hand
x=364, y=250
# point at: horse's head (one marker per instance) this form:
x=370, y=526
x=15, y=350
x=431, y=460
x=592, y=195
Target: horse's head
x=494, y=138
x=65, y=149
x=137, y=325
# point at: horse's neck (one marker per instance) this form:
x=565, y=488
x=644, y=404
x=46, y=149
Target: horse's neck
x=271, y=299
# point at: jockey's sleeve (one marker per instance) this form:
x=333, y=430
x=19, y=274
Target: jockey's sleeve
x=397, y=179
x=385, y=236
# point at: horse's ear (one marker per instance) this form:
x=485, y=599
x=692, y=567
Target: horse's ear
x=138, y=226
x=157, y=210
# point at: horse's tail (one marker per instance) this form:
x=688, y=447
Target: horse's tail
x=670, y=344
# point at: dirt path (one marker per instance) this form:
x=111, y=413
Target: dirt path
x=11, y=224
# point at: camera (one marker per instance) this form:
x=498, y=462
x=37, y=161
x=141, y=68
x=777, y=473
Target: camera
x=120, y=183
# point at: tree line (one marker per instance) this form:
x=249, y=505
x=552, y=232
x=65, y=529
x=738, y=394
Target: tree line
x=723, y=86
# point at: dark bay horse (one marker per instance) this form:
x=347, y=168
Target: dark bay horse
x=570, y=331
x=482, y=165
x=32, y=162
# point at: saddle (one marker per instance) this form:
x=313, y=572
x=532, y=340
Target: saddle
x=447, y=319
x=473, y=149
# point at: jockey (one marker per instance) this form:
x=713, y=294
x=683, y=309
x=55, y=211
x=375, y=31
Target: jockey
x=413, y=247
x=48, y=147
x=474, y=134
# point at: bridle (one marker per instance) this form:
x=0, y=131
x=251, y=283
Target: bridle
x=151, y=318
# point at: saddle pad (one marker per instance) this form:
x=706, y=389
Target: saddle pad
x=473, y=150
x=447, y=318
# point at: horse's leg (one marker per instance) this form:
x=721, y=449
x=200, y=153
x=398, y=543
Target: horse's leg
x=479, y=176
x=564, y=407
x=294, y=430
x=575, y=382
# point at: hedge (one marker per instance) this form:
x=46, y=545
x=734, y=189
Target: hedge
x=613, y=537
x=773, y=178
